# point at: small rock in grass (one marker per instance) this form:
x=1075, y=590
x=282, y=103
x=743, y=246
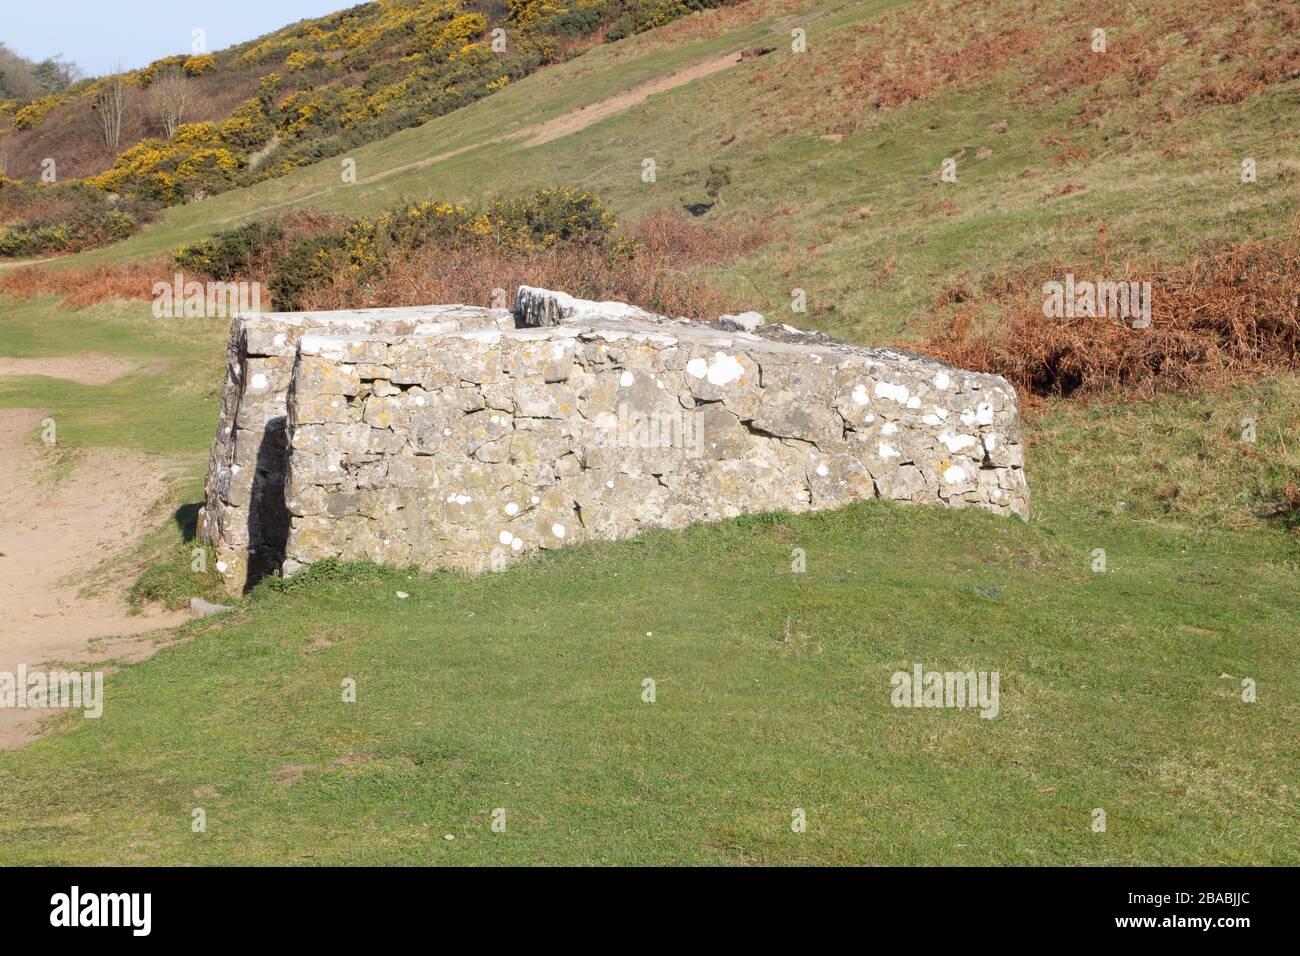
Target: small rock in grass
x=202, y=608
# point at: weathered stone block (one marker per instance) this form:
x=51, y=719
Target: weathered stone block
x=468, y=438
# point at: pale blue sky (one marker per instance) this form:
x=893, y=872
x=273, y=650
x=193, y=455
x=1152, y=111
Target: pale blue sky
x=97, y=34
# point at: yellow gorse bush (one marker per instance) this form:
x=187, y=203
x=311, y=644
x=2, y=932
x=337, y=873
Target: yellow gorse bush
x=199, y=65
x=34, y=113
x=194, y=159
x=248, y=126
x=158, y=67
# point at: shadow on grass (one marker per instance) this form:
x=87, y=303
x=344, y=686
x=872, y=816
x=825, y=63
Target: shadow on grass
x=187, y=520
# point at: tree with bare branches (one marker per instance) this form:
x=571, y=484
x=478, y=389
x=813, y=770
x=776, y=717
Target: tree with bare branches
x=110, y=101
x=170, y=95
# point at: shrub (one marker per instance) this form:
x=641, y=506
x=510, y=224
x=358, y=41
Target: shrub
x=661, y=263
x=719, y=177
x=199, y=65
x=231, y=254
x=271, y=249
x=307, y=266
x=441, y=252
x=300, y=60
x=194, y=160
x=84, y=230
x=547, y=218
x=34, y=113
x=248, y=127
x=66, y=217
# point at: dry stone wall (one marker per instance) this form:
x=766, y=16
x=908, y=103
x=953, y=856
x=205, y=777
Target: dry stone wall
x=460, y=437
x=244, y=516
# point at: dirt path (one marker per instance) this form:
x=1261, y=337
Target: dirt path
x=16, y=263
x=53, y=535
x=536, y=134
x=89, y=368
x=585, y=116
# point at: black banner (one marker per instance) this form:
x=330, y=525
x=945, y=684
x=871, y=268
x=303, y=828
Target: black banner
x=939, y=906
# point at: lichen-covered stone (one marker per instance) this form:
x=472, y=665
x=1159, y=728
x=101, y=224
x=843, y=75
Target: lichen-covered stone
x=243, y=517
x=456, y=437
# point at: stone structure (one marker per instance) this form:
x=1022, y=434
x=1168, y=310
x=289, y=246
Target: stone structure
x=464, y=437
x=243, y=516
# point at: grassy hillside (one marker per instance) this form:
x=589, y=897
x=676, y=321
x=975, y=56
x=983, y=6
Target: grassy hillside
x=864, y=223
x=1120, y=690
x=191, y=125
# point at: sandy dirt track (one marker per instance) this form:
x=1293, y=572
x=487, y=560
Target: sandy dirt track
x=91, y=368
x=52, y=534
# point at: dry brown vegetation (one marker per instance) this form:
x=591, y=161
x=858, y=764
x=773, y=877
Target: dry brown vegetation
x=1227, y=313
x=665, y=275
x=83, y=287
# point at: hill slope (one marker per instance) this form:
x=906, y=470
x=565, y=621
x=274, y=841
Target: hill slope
x=853, y=188
x=308, y=90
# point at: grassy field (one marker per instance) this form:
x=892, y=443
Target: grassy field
x=522, y=690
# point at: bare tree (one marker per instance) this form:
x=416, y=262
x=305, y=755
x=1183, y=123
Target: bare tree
x=170, y=95
x=4, y=153
x=110, y=102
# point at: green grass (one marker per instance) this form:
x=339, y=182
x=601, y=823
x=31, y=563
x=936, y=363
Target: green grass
x=522, y=690
x=166, y=406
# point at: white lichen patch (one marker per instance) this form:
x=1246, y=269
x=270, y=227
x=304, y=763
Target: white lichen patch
x=956, y=443
x=724, y=369
x=895, y=393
